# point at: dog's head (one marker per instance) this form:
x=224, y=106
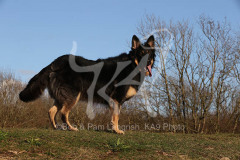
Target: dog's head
x=141, y=50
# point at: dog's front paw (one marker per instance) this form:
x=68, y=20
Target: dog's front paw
x=73, y=129
x=119, y=132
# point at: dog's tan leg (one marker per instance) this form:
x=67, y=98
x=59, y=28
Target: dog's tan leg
x=52, y=115
x=65, y=112
x=115, y=109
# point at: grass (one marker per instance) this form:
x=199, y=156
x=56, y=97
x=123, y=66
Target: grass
x=55, y=144
x=3, y=135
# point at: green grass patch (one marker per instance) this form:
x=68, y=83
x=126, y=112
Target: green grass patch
x=118, y=146
x=3, y=135
x=33, y=141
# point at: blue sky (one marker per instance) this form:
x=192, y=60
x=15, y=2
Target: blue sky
x=34, y=33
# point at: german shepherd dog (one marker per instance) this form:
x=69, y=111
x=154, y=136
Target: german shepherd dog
x=67, y=85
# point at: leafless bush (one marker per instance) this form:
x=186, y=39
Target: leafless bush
x=13, y=112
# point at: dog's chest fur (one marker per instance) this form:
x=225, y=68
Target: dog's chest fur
x=131, y=92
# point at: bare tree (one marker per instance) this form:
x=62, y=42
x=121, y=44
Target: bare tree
x=198, y=73
x=146, y=27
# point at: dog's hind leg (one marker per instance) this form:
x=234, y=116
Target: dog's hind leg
x=65, y=113
x=115, y=110
x=52, y=114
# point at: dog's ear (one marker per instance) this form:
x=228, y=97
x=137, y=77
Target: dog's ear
x=135, y=42
x=150, y=41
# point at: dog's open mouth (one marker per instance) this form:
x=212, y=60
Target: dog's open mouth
x=149, y=69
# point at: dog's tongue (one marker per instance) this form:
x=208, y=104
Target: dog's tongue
x=150, y=70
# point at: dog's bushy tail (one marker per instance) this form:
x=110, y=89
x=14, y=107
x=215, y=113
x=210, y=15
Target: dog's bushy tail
x=36, y=85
